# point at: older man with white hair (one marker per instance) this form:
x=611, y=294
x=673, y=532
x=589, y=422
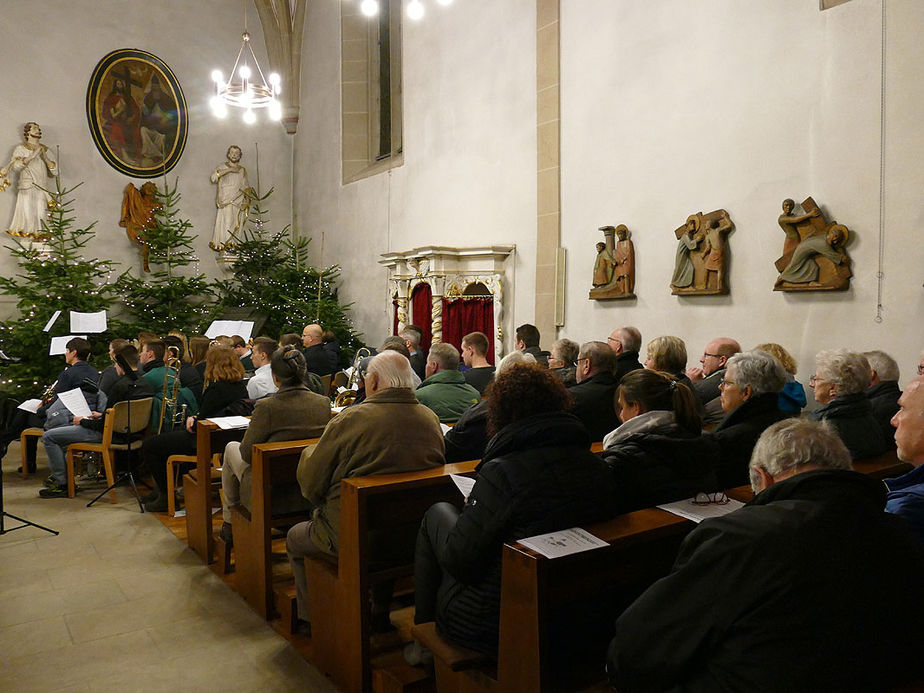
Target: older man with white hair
x=883, y=392
x=390, y=432
x=809, y=587
x=906, y=493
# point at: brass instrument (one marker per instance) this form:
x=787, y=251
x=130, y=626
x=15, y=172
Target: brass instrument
x=170, y=393
x=347, y=397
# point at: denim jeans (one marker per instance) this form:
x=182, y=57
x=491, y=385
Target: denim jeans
x=56, y=441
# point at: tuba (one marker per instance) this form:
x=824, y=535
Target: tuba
x=346, y=398
x=170, y=392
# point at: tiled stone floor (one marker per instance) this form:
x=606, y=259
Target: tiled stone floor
x=117, y=603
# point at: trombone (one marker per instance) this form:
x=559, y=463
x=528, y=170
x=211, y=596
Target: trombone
x=170, y=392
x=346, y=398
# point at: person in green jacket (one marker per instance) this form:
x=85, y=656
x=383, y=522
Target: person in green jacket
x=444, y=390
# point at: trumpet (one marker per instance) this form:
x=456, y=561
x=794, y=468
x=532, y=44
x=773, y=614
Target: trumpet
x=170, y=393
x=347, y=397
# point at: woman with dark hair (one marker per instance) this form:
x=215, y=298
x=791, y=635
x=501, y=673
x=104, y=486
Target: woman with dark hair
x=224, y=386
x=293, y=413
x=537, y=476
x=658, y=454
x=198, y=348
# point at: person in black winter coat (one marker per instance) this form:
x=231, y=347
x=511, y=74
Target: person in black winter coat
x=883, y=392
x=537, y=476
x=809, y=587
x=840, y=383
x=658, y=454
x=749, y=388
x=595, y=391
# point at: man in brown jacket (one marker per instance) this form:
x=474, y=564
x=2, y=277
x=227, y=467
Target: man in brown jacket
x=389, y=432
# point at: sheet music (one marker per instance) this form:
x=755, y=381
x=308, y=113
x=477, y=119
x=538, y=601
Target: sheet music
x=230, y=327
x=464, y=483
x=228, y=422
x=58, y=345
x=563, y=543
x=75, y=402
x=51, y=321
x=88, y=322
x=698, y=513
x=337, y=410
x=30, y=405
x=445, y=428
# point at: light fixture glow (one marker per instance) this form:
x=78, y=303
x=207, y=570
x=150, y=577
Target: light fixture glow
x=250, y=117
x=415, y=10
x=275, y=110
x=217, y=77
x=370, y=8
x=244, y=72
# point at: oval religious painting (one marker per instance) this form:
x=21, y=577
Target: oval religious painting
x=137, y=113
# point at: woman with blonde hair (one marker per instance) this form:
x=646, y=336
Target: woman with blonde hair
x=792, y=398
x=224, y=387
x=669, y=355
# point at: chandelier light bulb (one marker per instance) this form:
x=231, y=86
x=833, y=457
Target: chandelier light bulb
x=250, y=117
x=217, y=77
x=415, y=10
x=370, y=8
x=244, y=72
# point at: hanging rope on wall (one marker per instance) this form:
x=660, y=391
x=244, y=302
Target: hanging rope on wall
x=882, y=142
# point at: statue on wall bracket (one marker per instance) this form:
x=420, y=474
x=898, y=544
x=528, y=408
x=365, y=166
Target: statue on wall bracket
x=701, y=263
x=33, y=162
x=614, y=268
x=138, y=210
x=813, y=257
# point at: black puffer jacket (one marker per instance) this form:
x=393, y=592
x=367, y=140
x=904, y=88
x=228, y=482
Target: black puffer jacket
x=593, y=403
x=738, y=432
x=852, y=418
x=649, y=469
x=467, y=439
x=883, y=397
x=537, y=476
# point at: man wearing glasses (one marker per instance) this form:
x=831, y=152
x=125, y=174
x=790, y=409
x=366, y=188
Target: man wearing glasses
x=625, y=343
x=707, y=378
x=809, y=587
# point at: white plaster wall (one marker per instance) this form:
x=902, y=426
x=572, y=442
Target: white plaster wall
x=670, y=107
x=51, y=48
x=469, y=173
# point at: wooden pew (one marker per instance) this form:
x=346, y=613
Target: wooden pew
x=197, y=486
x=339, y=590
x=272, y=465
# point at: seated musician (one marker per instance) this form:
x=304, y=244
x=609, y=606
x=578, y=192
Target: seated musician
x=658, y=454
x=809, y=587
x=537, y=476
x=293, y=413
x=224, y=386
x=750, y=387
x=390, y=432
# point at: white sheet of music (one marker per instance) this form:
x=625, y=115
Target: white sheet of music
x=58, y=345
x=88, y=322
x=30, y=405
x=75, y=402
x=464, y=483
x=563, y=543
x=227, y=422
x=698, y=513
x=51, y=321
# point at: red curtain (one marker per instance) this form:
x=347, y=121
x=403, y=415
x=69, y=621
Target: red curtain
x=394, y=323
x=421, y=314
x=466, y=315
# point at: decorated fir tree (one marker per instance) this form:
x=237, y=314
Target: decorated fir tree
x=272, y=275
x=55, y=274
x=168, y=298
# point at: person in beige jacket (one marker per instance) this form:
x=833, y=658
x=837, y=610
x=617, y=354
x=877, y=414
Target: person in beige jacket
x=389, y=432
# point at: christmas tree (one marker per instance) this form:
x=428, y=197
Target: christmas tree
x=53, y=275
x=167, y=299
x=272, y=275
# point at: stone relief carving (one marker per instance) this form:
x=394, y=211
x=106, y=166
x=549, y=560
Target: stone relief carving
x=614, y=268
x=701, y=263
x=814, y=258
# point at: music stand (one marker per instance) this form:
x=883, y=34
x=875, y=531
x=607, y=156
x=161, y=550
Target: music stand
x=25, y=523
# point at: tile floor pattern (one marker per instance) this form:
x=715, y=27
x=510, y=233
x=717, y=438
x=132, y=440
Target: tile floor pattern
x=117, y=603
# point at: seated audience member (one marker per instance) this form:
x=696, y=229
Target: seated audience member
x=883, y=392
x=792, y=396
x=750, y=395
x=198, y=348
x=391, y=432
x=563, y=357
x=706, y=379
x=395, y=343
x=537, y=476
x=312, y=381
x=128, y=386
x=189, y=374
x=263, y=381
x=332, y=346
x=527, y=341
x=658, y=454
x=474, y=355
x=243, y=352
x=467, y=439
x=224, y=386
x=444, y=390
x=293, y=413
x=317, y=358
x=809, y=587
x=109, y=375
x=594, y=393
x=625, y=343
x=668, y=355
x=412, y=335
x=840, y=383
x=144, y=338
x=906, y=492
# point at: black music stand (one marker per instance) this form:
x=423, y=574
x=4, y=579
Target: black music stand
x=25, y=523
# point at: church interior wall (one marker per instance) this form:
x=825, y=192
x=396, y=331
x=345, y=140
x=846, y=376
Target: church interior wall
x=52, y=48
x=671, y=108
